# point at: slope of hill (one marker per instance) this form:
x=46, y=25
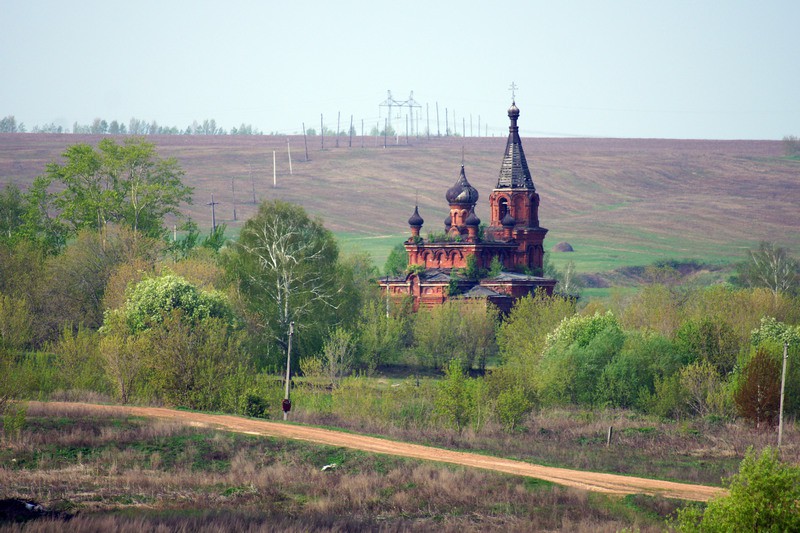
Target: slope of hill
x=617, y=201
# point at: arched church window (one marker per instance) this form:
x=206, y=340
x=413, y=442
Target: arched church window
x=503, y=208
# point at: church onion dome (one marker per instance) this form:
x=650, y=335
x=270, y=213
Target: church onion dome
x=462, y=192
x=448, y=221
x=415, y=219
x=513, y=111
x=472, y=219
x=508, y=221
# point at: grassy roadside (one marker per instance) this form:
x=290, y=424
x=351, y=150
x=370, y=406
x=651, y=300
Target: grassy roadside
x=114, y=472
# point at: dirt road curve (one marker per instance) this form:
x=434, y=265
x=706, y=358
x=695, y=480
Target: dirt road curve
x=593, y=481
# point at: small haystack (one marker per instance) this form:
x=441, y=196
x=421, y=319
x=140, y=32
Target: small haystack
x=563, y=246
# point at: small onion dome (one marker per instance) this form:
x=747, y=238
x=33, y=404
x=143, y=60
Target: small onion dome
x=508, y=221
x=462, y=192
x=513, y=111
x=415, y=219
x=472, y=219
x=448, y=221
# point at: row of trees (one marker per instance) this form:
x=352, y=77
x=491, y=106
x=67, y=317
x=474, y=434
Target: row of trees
x=135, y=126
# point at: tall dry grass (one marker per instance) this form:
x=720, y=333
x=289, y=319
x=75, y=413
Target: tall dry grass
x=132, y=474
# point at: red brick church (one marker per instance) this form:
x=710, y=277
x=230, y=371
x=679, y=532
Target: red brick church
x=514, y=237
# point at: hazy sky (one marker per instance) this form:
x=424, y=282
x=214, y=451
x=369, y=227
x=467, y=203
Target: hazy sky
x=683, y=69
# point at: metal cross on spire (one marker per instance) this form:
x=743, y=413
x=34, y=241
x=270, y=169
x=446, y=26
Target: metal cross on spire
x=513, y=88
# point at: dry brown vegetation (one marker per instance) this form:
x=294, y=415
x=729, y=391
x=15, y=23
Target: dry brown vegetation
x=131, y=474
x=697, y=198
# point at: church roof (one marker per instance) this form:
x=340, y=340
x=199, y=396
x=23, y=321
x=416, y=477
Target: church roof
x=514, y=173
x=479, y=291
x=415, y=219
x=462, y=192
x=514, y=276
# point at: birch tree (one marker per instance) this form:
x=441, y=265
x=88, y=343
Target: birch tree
x=772, y=267
x=285, y=265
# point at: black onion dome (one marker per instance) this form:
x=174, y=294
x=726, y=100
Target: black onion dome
x=415, y=219
x=472, y=219
x=513, y=111
x=448, y=221
x=508, y=221
x=462, y=192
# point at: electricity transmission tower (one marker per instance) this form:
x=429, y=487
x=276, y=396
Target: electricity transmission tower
x=410, y=104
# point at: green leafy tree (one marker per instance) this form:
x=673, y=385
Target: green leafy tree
x=710, y=339
x=380, y=337
x=457, y=329
x=452, y=401
x=397, y=262
x=763, y=496
x=286, y=266
x=703, y=389
x=338, y=354
x=631, y=374
x=575, y=355
x=74, y=287
x=128, y=184
x=495, y=268
x=12, y=209
x=153, y=299
x=78, y=359
x=191, y=363
x=512, y=406
x=521, y=336
x=15, y=322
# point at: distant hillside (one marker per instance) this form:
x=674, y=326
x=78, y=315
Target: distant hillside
x=616, y=201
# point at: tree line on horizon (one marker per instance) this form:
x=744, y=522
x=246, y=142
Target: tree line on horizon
x=134, y=126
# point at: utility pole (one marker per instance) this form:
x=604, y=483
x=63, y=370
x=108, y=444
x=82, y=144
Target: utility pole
x=470, y=124
x=287, y=403
x=385, y=131
x=362, y=133
x=479, y=125
x=274, y=172
x=321, y=133
x=463, y=127
x=783, y=385
x=233, y=197
x=406, y=129
x=289, y=151
x=350, y=143
x=428, y=121
x=305, y=140
x=212, y=203
x=253, y=183
x=438, y=131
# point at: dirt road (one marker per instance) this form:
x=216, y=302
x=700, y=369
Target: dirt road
x=592, y=481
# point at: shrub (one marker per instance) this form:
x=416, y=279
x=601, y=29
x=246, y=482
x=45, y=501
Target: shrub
x=764, y=496
x=452, y=397
x=512, y=406
x=256, y=406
